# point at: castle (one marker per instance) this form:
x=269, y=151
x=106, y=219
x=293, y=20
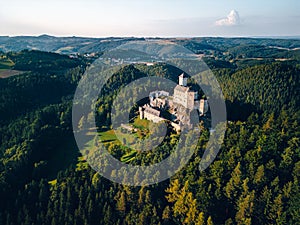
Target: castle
x=178, y=107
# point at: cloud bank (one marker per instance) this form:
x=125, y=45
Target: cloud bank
x=232, y=19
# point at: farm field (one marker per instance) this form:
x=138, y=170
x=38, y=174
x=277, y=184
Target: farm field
x=5, y=73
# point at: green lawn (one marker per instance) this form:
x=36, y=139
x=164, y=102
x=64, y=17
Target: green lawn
x=110, y=136
x=141, y=124
x=6, y=68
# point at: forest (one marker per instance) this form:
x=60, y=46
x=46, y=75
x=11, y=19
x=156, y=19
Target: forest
x=44, y=180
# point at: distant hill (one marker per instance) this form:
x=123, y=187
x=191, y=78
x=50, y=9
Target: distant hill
x=253, y=180
x=69, y=45
x=65, y=45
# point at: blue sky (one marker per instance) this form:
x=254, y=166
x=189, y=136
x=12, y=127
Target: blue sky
x=165, y=18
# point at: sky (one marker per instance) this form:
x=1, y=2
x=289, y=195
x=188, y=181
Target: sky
x=150, y=18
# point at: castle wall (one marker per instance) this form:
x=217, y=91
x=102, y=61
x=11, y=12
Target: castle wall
x=153, y=118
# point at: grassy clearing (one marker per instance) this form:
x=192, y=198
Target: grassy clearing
x=66, y=49
x=141, y=124
x=109, y=136
x=6, y=68
x=6, y=64
x=119, y=135
x=143, y=128
x=114, y=136
x=129, y=138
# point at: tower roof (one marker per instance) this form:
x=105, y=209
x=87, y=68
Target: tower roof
x=183, y=75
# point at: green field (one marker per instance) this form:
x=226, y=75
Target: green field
x=5, y=73
x=6, y=64
x=6, y=70
x=110, y=135
x=141, y=124
x=113, y=136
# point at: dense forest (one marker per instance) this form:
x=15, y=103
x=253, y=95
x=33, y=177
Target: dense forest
x=254, y=179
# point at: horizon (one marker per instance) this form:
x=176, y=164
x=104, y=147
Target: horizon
x=154, y=37
x=150, y=18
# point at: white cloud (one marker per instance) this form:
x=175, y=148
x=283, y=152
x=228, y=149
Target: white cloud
x=231, y=20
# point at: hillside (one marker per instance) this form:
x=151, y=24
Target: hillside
x=263, y=88
x=64, y=45
x=205, y=45
x=45, y=180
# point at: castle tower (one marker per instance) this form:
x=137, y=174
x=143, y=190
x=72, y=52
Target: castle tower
x=183, y=80
x=203, y=108
x=141, y=111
